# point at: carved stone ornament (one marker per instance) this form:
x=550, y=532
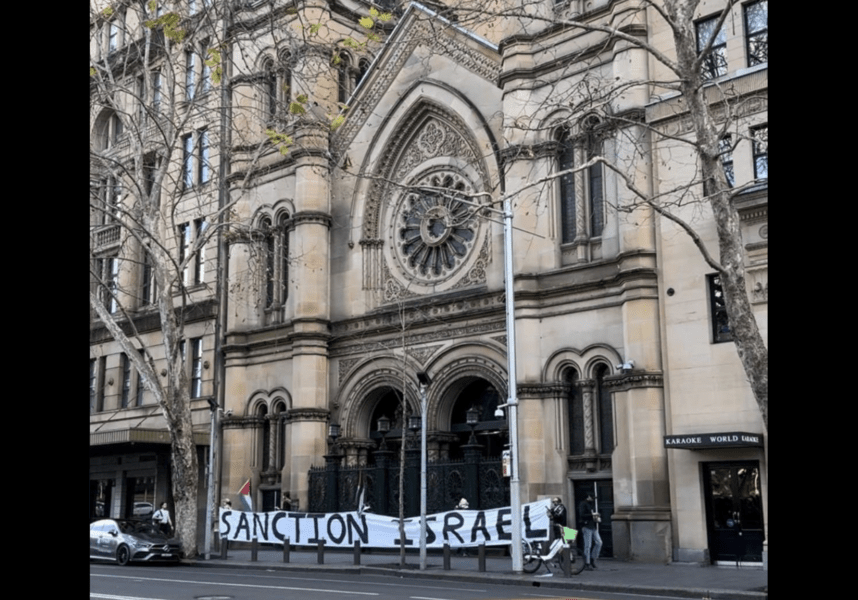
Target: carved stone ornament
x=433, y=231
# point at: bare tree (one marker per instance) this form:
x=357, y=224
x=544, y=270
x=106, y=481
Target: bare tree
x=157, y=203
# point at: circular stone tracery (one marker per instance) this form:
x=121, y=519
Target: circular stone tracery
x=435, y=229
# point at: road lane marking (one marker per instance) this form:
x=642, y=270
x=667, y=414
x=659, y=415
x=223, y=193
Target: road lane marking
x=423, y=587
x=112, y=597
x=245, y=585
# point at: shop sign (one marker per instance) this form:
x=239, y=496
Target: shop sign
x=700, y=441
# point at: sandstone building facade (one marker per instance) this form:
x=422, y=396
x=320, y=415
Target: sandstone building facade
x=367, y=253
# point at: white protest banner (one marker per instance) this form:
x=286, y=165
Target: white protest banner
x=463, y=528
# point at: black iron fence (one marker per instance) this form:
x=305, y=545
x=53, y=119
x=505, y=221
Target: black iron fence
x=336, y=488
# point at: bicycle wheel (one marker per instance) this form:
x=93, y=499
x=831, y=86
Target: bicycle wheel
x=576, y=560
x=530, y=561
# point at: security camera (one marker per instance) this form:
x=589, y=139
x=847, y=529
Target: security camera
x=627, y=366
x=229, y=412
x=498, y=413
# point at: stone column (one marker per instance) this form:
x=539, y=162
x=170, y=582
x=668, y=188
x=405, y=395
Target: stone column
x=307, y=430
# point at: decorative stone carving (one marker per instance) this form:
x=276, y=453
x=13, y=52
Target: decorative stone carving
x=759, y=284
x=421, y=354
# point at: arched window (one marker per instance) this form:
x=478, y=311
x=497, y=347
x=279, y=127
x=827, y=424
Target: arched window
x=275, y=262
x=582, y=193
x=276, y=89
x=605, y=410
x=590, y=413
x=269, y=90
x=108, y=131
x=595, y=184
x=575, y=413
x=363, y=69
x=566, y=161
x=343, y=79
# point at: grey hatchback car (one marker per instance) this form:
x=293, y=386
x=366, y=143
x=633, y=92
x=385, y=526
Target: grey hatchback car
x=124, y=541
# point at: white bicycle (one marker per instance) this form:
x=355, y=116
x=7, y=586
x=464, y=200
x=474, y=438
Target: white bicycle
x=532, y=559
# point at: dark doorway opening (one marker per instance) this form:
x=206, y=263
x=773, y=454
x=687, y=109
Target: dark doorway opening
x=604, y=500
x=734, y=511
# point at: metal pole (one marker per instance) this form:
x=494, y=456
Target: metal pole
x=210, y=484
x=423, y=410
x=514, y=491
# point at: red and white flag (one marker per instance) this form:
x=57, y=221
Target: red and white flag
x=244, y=494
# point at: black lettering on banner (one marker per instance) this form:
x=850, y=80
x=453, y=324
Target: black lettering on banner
x=480, y=525
x=430, y=535
x=532, y=533
x=315, y=539
x=242, y=524
x=274, y=522
x=407, y=541
x=355, y=527
x=297, y=517
x=504, y=520
x=331, y=536
x=258, y=520
x=451, y=516
x=224, y=524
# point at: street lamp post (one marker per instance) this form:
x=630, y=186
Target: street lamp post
x=425, y=381
x=512, y=402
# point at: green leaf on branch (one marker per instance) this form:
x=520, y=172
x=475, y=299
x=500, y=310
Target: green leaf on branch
x=338, y=120
x=279, y=139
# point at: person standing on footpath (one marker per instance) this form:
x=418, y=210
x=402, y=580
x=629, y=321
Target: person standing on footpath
x=589, y=521
x=162, y=520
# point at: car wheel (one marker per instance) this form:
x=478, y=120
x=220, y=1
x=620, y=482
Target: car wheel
x=123, y=555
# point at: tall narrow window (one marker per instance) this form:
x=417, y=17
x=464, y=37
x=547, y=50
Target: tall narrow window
x=110, y=198
x=725, y=144
x=269, y=90
x=566, y=161
x=200, y=226
x=101, y=383
x=107, y=271
x=147, y=280
x=113, y=35
x=276, y=249
x=156, y=91
x=93, y=384
x=141, y=388
x=576, y=415
x=760, y=136
x=188, y=161
x=715, y=63
x=596, y=187
x=606, y=411
x=343, y=76
x=206, y=78
x=196, y=367
x=184, y=250
x=757, y=32
x=125, y=364
x=203, y=159
x=190, y=74
x=718, y=310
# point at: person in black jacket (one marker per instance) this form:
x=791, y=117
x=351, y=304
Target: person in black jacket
x=557, y=515
x=588, y=521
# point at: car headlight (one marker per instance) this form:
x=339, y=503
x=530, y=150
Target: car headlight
x=140, y=544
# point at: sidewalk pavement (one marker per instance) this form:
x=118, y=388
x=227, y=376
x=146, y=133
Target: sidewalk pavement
x=680, y=580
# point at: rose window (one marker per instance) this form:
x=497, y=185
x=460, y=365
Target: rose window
x=435, y=229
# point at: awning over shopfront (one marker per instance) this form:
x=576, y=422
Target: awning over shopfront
x=707, y=441
x=141, y=436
